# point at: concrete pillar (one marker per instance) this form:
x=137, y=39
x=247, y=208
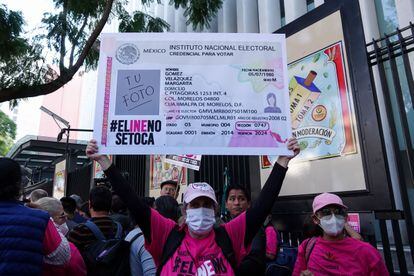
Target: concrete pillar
x=369, y=20
x=269, y=15
x=190, y=28
x=213, y=25
x=405, y=12
x=371, y=30
x=247, y=16
x=151, y=10
x=227, y=17
x=180, y=21
x=169, y=15
x=318, y=3
x=159, y=10
x=294, y=9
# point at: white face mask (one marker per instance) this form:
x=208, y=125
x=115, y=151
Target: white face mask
x=332, y=225
x=64, y=229
x=200, y=220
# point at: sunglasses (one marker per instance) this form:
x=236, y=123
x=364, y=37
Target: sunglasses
x=335, y=211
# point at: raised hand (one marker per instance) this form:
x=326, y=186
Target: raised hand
x=92, y=150
x=292, y=145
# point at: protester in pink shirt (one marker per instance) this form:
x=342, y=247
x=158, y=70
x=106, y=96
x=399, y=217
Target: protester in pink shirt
x=271, y=242
x=334, y=253
x=75, y=265
x=197, y=251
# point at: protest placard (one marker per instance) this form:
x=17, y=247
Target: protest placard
x=192, y=94
x=190, y=161
x=354, y=222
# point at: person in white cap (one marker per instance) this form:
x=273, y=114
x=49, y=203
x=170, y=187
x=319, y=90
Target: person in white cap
x=334, y=253
x=196, y=248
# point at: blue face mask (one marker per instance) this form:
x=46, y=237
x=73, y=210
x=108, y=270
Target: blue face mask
x=200, y=220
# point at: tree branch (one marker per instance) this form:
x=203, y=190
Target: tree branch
x=72, y=52
x=91, y=40
x=7, y=94
x=63, y=17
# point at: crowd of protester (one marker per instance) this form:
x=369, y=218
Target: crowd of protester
x=115, y=232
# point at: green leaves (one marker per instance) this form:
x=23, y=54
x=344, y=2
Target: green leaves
x=70, y=33
x=199, y=12
x=141, y=22
x=7, y=133
x=19, y=60
x=11, y=26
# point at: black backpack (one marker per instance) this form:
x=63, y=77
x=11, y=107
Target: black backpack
x=285, y=260
x=107, y=256
x=176, y=237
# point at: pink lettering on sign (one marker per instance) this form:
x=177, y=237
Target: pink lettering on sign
x=144, y=126
x=104, y=136
x=354, y=222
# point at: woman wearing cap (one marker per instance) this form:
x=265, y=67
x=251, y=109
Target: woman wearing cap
x=334, y=253
x=199, y=251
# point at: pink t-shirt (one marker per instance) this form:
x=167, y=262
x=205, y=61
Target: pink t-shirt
x=195, y=256
x=271, y=240
x=75, y=266
x=52, y=238
x=346, y=257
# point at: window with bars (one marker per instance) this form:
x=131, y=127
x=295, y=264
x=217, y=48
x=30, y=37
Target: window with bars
x=310, y=4
x=282, y=13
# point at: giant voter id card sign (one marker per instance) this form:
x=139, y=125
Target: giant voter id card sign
x=169, y=93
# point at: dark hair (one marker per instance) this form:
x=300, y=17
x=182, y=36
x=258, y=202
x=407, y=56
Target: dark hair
x=237, y=187
x=85, y=208
x=169, y=182
x=100, y=199
x=118, y=206
x=68, y=204
x=149, y=201
x=10, y=179
x=310, y=229
x=167, y=206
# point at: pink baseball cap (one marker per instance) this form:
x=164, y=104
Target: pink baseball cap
x=199, y=189
x=326, y=199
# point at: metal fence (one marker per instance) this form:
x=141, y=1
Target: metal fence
x=390, y=58
x=135, y=167
x=213, y=167
x=79, y=182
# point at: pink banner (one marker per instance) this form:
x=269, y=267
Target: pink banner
x=106, y=101
x=354, y=222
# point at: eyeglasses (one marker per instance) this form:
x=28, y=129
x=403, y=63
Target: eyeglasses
x=336, y=211
x=62, y=216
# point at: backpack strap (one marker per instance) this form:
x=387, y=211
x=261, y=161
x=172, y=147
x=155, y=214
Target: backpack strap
x=224, y=242
x=310, y=244
x=171, y=245
x=119, y=230
x=95, y=230
x=135, y=237
x=98, y=233
x=176, y=237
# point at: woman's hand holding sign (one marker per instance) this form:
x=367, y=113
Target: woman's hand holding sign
x=292, y=145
